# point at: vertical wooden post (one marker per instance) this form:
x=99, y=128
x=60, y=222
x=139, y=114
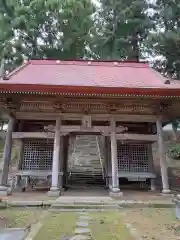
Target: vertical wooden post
x=106, y=159
x=54, y=190
x=65, y=167
x=174, y=133
x=115, y=190
x=61, y=163
x=163, y=164
x=6, y=158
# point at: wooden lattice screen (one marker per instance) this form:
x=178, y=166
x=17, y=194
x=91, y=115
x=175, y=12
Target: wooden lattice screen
x=38, y=154
x=133, y=157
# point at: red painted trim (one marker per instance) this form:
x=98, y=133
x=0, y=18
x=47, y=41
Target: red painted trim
x=88, y=90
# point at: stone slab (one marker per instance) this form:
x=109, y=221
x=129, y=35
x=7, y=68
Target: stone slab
x=53, y=193
x=80, y=237
x=82, y=224
x=25, y=203
x=84, y=217
x=12, y=234
x=83, y=199
x=115, y=194
x=83, y=213
x=82, y=230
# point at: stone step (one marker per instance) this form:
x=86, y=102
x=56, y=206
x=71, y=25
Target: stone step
x=84, y=163
x=87, y=173
x=60, y=207
x=85, y=170
x=89, y=166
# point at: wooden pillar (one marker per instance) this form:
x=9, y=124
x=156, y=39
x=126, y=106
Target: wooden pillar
x=115, y=190
x=65, y=165
x=61, y=163
x=163, y=164
x=106, y=158
x=174, y=133
x=6, y=158
x=151, y=167
x=19, y=164
x=55, y=190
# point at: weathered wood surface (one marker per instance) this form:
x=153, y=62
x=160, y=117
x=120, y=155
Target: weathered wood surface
x=78, y=116
x=138, y=137
x=120, y=136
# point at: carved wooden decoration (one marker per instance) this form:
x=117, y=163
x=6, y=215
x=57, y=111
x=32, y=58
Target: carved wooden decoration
x=11, y=104
x=87, y=107
x=86, y=122
x=120, y=129
x=49, y=128
x=95, y=106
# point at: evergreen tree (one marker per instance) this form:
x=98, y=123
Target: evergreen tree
x=165, y=40
x=8, y=51
x=58, y=29
x=124, y=25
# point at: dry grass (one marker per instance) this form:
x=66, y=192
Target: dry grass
x=153, y=223
x=11, y=218
x=57, y=226
x=108, y=226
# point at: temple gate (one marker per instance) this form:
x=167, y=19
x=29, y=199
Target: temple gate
x=50, y=103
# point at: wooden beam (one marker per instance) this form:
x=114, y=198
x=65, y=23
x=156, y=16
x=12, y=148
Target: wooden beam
x=138, y=137
x=78, y=116
x=17, y=135
x=64, y=131
x=120, y=136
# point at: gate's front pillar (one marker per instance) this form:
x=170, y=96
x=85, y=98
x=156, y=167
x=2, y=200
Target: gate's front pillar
x=163, y=164
x=55, y=189
x=115, y=190
x=4, y=190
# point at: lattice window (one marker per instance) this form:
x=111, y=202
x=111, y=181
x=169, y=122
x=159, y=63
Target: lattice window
x=133, y=157
x=38, y=154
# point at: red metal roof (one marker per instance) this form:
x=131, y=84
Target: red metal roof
x=38, y=75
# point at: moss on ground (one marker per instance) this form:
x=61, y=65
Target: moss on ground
x=56, y=226
x=11, y=218
x=108, y=225
x=103, y=226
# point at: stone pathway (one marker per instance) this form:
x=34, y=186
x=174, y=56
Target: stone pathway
x=12, y=234
x=82, y=232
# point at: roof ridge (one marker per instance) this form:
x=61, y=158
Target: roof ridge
x=90, y=63
x=16, y=70
x=161, y=77
x=92, y=60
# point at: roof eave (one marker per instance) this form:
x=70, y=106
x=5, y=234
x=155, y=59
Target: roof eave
x=56, y=90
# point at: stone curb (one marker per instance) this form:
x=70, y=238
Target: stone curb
x=83, y=206
x=125, y=204
x=147, y=205
x=109, y=203
x=35, y=227
x=83, y=210
x=86, y=205
x=6, y=204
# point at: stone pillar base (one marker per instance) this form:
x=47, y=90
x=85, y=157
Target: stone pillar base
x=115, y=192
x=5, y=191
x=54, y=192
x=167, y=192
x=153, y=185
